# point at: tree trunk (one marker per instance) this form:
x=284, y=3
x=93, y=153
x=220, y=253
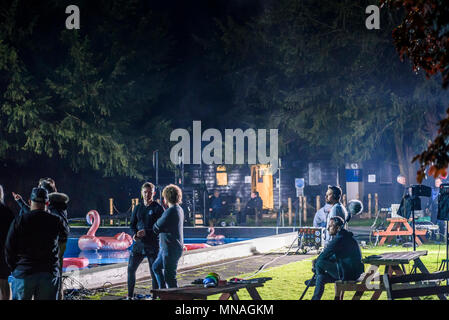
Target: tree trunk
x=404, y=154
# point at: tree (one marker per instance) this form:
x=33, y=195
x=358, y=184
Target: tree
x=316, y=73
x=423, y=37
x=84, y=96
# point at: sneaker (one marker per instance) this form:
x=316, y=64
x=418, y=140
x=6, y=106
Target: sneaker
x=129, y=298
x=310, y=283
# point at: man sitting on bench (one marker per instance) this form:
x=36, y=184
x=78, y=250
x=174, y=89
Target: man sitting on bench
x=340, y=260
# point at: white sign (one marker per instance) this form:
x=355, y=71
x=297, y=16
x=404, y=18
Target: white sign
x=299, y=192
x=371, y=178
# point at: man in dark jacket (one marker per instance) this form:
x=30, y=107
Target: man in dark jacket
x=32, y=251
x=6, y=218
x=170, y=228
x=58, y=206
x=253, y=207
x=215, y=208
x=146, y=242
x=340, y=260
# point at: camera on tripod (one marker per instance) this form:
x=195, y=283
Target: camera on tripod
x=411, y=201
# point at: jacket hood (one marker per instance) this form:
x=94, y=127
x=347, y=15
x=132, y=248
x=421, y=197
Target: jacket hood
x=57, y=197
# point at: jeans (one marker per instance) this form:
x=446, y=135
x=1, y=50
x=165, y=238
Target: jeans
x=165, y=268
x=41, y=285
x=138, y=253
x=326, y=272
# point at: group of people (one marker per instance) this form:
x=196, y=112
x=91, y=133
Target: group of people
x=158, y=236
x=217, y=208
x=341, y=258
x=32, y=244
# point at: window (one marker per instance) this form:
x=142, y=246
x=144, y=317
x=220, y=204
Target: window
x=221, y=176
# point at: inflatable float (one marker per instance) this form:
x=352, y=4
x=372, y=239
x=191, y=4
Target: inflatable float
x=75, y=263
x=213, y=236
x=194, y=246
x=121, y=241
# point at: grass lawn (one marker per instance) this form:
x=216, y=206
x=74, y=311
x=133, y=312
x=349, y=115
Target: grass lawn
x=288, y=280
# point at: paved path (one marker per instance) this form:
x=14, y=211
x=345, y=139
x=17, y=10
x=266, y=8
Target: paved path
x=226, y=269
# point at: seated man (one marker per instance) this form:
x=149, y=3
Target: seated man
x=253, y=207
x=340, y=260
x=216, y=208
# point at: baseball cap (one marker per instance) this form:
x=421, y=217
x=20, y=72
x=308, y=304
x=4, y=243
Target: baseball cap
x=39, y=195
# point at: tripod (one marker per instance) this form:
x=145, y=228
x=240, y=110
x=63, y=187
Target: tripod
x=308, y=285
x=445, y=262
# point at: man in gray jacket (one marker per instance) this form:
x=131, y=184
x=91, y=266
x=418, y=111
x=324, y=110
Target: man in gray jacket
x=333, y=196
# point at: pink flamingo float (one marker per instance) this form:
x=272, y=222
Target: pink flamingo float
x=121, y=241
x=194, y=246
x=213, y=236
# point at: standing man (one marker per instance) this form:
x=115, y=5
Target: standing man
x=6, y=218
x=32, y=251
x=146, y=243
x=58, y=206
x=170, y=227
x=333, y=196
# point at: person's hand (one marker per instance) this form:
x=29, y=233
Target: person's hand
x=140, y=234
x=16, y=196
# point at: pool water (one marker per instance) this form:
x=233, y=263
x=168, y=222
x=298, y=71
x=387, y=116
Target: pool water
x=102, y=257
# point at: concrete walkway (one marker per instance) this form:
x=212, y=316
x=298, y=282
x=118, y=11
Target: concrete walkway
x=226, y=269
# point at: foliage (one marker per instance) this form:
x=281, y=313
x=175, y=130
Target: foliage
x=84, y=95
x=423, y=37
x=323, y=79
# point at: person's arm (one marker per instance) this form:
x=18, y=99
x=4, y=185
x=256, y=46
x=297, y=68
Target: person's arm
x=24, y=207
x=63, y=230
x=133, y=222
x=163, y=223
x=11, y=245
x=158, y=211
x=330, y=251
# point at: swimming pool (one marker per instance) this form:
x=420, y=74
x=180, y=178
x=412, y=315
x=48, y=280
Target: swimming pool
x=102, y=257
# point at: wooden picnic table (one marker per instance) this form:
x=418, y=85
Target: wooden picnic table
x=394, y=262
x=394, y=229
x=199, y=292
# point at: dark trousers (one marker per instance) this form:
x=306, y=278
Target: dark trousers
x=326, y=272
x=41, y=286
x=138, y=253
x=165, y=268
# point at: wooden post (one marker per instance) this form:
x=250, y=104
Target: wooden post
x=369, y=205
x=111, y=209
x=289, y=211
x=376, y=203
x=237, y=204
x=318, y=203
x=299, y=210
x=305, y=208
x=344, y=200
x=133, y=204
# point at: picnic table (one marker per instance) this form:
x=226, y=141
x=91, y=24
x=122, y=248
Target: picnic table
x=199, y=292
x=394, y=229
x=393, y=262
